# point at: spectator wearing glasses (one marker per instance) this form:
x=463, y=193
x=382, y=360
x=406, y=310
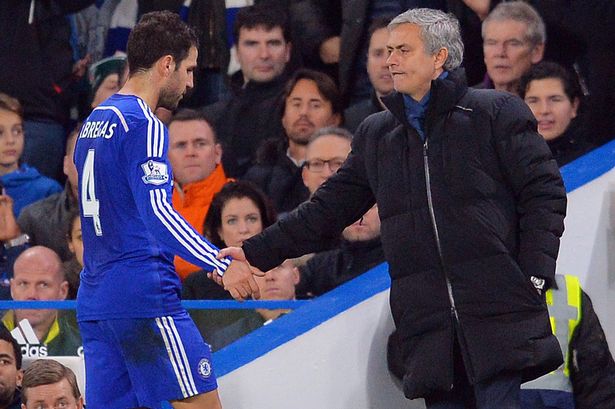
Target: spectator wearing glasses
x=325, y=154
x=360, y=248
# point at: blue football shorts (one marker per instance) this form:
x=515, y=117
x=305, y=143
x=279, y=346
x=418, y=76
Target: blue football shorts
x=142, y=362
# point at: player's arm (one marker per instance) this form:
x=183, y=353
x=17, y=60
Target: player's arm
x=150, y=178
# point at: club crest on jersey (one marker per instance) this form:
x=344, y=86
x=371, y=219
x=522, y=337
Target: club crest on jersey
x=204, y=368
x=156, y=173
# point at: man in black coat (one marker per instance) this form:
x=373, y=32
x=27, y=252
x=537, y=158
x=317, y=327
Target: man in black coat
x=251, y=114
x=471, y=206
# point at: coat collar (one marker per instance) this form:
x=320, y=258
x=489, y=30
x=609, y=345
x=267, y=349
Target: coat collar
x=444, y=96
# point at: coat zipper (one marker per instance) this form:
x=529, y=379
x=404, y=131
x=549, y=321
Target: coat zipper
x=434, y=224
x=449, y=287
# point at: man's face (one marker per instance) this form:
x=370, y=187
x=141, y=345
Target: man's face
x=193, y=151
x=55, y=395
x=323, y=158
x=305, y=111
x=36, y=279
x=179, y=82
x=364, y=229
x=279, y=283
x=11, y=141
x=377, y=67
x=411, y=66
x=262, y=54
x=551, y=106
x=241, y=219
x=10, y=376
x=508, y=53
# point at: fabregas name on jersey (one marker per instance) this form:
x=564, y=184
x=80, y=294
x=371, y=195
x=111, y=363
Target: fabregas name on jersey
x=97, y=129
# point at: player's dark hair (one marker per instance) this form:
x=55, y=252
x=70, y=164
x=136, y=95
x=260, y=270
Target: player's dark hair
x=236, y=190
x=326, y=87
x=47, y=372
x=263, y=15
x=5, y=335
x=188, y=114
x=157, y=34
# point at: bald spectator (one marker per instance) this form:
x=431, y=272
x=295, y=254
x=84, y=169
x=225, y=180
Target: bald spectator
x=49, y=384
x=311, y=102
x=514, y=39
x=39, y=276
x=195, y=155
x=10, y=370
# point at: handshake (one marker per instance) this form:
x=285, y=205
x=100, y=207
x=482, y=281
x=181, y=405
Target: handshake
x=239, y=276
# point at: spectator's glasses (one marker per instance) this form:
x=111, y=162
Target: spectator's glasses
x=318, y=165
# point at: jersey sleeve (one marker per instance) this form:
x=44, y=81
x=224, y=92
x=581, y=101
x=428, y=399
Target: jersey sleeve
x=151, y=181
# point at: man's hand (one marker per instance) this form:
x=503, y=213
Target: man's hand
x=238, y=278
x=8, y=226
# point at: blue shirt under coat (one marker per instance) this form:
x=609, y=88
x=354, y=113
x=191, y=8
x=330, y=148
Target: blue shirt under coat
x=415, y=110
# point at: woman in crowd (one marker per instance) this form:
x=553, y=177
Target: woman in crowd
x=239, y=211
x=22, y=183
x=554, y=96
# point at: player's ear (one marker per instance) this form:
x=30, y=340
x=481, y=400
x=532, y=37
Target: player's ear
x=165, y=65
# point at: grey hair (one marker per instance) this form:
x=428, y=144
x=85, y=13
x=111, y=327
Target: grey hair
x=522, y=12
x=438, y=30
x=331, y=130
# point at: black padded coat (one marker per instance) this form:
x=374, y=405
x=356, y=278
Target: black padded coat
x=467, y=218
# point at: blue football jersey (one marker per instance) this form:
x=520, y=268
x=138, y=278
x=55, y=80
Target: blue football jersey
x=130, y=230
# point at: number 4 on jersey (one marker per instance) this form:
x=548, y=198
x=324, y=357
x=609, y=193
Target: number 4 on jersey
x=89, y=203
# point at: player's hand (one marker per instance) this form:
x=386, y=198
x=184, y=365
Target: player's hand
x=239, y=277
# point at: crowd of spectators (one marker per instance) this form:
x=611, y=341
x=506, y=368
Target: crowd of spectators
x=280, y=88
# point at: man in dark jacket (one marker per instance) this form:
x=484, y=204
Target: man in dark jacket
x=471, y=207
x=251, y=113
x=311, y=102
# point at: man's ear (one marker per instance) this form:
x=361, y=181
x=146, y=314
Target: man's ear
x=440, y=58
x=19, y=377
x=289, y=49
x=537, y=53
x=64, y=290
x=165, y=65
x=296, y=275
x=219, y=151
